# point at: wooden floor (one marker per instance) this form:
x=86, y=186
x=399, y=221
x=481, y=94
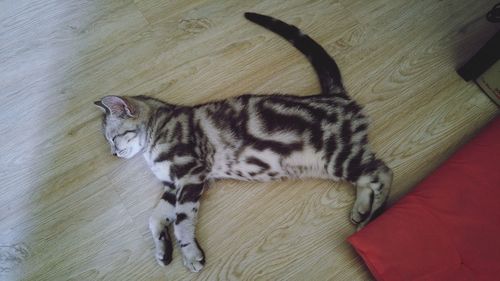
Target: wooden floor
x=69, y=210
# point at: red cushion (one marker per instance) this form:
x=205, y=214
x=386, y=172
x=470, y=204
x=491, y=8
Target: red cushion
x=448, y=227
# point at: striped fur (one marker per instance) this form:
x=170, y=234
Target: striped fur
x=257, y=138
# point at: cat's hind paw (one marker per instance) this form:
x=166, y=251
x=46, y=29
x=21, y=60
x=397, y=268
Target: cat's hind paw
x=359, y=214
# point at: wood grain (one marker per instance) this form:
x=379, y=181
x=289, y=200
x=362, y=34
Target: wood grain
x=70, y=211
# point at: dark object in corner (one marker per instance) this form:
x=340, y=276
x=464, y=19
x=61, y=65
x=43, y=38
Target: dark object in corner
x=482, y=60
x=484, y=66
x=494, y=14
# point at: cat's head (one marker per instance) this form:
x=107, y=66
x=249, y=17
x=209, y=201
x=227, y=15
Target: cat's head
x=123, y=125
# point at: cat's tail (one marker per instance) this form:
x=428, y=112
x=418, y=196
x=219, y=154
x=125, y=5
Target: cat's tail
x=327, y=70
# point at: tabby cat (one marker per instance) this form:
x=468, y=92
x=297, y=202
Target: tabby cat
x=258, y=138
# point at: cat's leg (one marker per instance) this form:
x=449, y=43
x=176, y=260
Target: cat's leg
x=362, y=205
x=186, y=209
x=162, y=216
x=378, y=180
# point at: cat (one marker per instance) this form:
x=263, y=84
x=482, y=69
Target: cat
x=249, y=137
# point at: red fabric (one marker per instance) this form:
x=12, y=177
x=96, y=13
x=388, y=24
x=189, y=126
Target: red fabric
x=448, y=227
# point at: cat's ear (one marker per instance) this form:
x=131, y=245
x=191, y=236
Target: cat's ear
x=102, y=107
x=117, y=106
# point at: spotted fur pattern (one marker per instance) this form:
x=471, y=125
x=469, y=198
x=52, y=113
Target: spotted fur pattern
x=254, y=138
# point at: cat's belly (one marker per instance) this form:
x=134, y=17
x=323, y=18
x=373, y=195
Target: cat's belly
x=256, y=165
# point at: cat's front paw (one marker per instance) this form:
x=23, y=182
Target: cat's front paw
x=194, y=258
x=193, y=264
x=163, y=258
x=164, y=250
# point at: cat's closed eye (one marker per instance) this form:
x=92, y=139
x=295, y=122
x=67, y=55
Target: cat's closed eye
x=120, y=142
x=128, y=134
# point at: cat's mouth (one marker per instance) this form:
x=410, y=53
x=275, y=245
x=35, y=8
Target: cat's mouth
x=121, y=153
